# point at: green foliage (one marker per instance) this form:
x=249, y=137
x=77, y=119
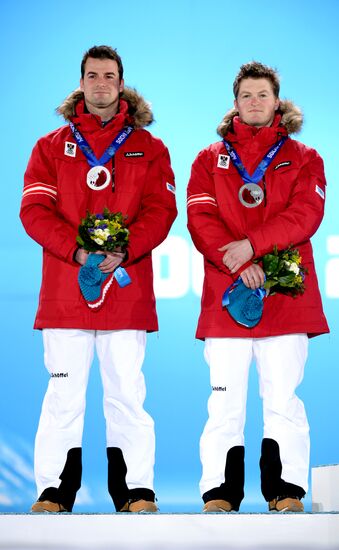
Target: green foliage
x=284, y=272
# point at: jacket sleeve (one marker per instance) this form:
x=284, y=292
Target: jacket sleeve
x=207, y=230
x=157, y=209
x=38, y=211
x=301, y=218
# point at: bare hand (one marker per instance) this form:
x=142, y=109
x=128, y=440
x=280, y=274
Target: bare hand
x=237, y=253
x=112, y=261
x=253, y=276
x=81, y=256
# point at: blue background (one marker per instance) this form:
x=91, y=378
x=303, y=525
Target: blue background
x=182, y=56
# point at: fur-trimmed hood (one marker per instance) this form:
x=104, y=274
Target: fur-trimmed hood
x=291, y=118
x=138, y=108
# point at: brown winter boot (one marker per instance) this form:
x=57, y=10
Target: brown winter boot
x=285, y=504
x=145, y=506
x=217, y=506
x=46, y=506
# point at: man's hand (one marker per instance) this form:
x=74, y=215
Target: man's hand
x=112, y=261
x=237, y=253
x=108, y=265
x=81, y=256
x=253, y=276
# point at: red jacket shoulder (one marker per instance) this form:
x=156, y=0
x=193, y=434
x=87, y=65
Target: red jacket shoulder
x=209, y=153
x=304, y=152
x=149, y=140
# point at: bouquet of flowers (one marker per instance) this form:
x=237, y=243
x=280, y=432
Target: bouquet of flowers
x=106, y=231
x=284, y=272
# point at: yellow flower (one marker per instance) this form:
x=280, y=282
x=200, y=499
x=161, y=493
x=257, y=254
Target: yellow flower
x=115, y=226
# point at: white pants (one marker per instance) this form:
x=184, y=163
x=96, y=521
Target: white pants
x=68, y=356
x=280, y=363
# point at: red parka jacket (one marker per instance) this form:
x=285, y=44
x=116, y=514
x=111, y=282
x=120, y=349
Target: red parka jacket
x=56, y=198
x=290, y=214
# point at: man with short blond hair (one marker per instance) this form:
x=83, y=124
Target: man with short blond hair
x=255, y=190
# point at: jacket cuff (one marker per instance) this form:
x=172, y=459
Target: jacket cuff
x=71, y=257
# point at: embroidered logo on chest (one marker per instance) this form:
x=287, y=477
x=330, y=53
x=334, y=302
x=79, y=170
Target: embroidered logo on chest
x=70, y=149
x=223, y=161
x=134, y=154
x=282, y=164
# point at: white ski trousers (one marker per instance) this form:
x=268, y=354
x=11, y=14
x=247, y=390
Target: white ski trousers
x=280, y=362
x=68, y=357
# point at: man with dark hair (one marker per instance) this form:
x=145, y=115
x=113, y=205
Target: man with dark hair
x=102, y=52
x=103, y=158
x=254, y=192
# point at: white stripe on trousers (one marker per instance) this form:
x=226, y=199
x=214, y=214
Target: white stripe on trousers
x=280, y=363
x=68, y=355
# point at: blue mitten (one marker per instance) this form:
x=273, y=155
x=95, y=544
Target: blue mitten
x=93, y=283
x=244, y=304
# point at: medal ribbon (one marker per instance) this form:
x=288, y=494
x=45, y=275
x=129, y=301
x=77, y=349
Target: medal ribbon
x=110, y=151
x=262, y=166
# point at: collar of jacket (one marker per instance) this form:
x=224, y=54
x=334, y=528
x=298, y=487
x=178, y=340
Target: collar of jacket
x=138, y=113
x=87, y=122
x=291, y=118
x=242, y=134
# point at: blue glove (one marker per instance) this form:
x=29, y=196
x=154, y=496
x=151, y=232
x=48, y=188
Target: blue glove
x=93, y=283
x=244, y=304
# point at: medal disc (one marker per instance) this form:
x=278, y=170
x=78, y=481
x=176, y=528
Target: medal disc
x=98, y=178
x=251, y=195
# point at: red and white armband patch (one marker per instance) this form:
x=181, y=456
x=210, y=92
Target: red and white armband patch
x=39, y=188
x=201, y=198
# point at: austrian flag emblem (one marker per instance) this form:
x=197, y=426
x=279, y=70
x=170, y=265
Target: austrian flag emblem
x=223, y=161
x=70, y=149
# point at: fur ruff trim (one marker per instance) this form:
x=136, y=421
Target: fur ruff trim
x=291, y=118
x=138, y=108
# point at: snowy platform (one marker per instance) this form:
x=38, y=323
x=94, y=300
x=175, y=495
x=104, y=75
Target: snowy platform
x=233, y=531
